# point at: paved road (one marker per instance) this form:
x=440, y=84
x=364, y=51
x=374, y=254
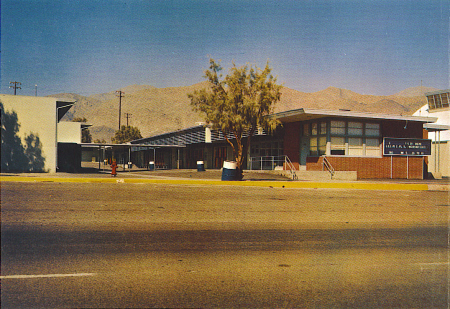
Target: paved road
x=120, y=245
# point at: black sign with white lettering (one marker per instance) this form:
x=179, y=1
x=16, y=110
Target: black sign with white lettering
x=406, y=147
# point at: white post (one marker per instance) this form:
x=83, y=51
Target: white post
x=407, y=167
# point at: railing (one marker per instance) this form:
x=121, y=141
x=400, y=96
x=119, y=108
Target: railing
x=271, y=162
x=327, y=165
x=291, y=166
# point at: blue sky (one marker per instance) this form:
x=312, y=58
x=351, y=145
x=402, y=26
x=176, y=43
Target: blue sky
x=87, y=47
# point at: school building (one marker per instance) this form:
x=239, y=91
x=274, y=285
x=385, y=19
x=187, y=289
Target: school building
x=367, y=144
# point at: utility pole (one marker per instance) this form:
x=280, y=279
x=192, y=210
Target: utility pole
x=120, y=95
x=15, y=86
x=128, y=115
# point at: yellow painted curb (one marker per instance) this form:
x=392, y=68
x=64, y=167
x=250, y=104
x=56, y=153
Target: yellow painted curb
x=273, y=184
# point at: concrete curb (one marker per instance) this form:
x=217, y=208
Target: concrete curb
x=271, y=184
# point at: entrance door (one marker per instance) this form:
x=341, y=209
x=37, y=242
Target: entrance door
x=304, y=149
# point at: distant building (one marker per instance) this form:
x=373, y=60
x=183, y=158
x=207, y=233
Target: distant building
x=439, y=131
x=34, y=138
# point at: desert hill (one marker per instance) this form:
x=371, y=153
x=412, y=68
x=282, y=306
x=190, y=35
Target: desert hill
x=158, y=110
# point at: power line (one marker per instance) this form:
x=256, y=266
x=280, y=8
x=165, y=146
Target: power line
x=128, y=115
x=15, y=86
x=120, y=95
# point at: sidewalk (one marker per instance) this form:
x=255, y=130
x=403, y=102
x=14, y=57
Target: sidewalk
x=213, y=177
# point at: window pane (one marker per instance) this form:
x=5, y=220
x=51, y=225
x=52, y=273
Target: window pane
x=372, y=129
x=314, y=129
x=355, y=128
x=313, y=146
x=322, y=145
x=337, y=127
x=355, y=141
x=355, y=147
x=323, y=128
x=337, y=143
x=372, y=142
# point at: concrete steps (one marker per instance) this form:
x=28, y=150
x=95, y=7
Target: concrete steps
x=319, y=175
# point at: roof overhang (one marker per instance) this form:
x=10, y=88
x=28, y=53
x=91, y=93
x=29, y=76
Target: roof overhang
x=437, y=92
x=304, y=114
x=433, y=127
x=63, y=107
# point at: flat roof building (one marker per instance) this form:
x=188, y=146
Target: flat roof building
x=32, y=131
x=312, y=140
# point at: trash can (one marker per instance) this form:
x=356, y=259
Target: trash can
x=200, y=166
x=229, y=170
x=151, y=165
x=130, y=165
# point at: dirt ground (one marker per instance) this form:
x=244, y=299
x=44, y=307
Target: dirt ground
x=179, y=246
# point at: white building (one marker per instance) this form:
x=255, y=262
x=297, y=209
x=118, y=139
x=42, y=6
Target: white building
x=439, y=132
x=33, y=136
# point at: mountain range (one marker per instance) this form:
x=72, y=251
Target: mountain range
x=159, y=110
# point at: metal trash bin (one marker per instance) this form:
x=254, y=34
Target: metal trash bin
x=151, y=165
x=130, y=165
x=229, y=170
x=200, y=166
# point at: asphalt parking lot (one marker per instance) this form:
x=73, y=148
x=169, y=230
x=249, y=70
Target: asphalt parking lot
x=144, y=245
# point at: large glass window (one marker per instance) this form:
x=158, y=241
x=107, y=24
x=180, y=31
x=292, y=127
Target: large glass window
x=372, y=129
x=355, y=128
x=337, y=145
x=337, y=127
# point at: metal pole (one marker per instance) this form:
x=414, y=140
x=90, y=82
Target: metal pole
x=391, y=166
x=407, y=167
x=439, y=152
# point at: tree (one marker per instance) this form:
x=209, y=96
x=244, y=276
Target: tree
x=238, y=104
x=126, y=134
x=86, y=136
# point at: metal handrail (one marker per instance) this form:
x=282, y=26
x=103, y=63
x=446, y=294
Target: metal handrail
x=328, y=166
x=291, y=166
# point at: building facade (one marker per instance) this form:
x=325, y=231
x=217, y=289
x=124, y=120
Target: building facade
x=439, y=131
x=310, y=140
x=33, y=135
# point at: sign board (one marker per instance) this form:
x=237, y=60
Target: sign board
x=406, y=147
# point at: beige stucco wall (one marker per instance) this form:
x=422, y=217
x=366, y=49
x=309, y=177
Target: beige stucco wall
x=439, y=161
x=69, y=132
x=38, y=116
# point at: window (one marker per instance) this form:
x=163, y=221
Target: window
x=313, y=147
x=323, y=128
x=372, y=147
x=355, y=128
x=372, y=129
x=355, y=146
x=338, y=146
x=440, y=100
x=314, y=130
x=322, y=145
x=337, y=127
